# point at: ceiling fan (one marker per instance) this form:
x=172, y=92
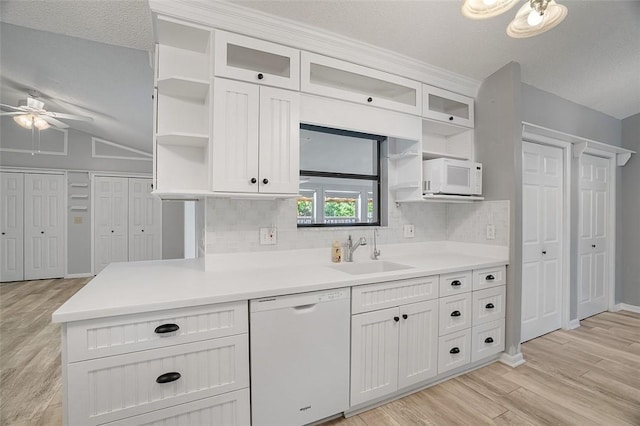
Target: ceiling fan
x=31, y=114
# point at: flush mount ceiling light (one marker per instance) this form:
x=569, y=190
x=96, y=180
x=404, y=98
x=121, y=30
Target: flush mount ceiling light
x=534, y=17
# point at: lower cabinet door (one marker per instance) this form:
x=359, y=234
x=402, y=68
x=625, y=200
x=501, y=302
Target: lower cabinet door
x=113, y=388
x=487, y=340
x=454, y=350
x=229, y=409
x=374, y=354
x=418, y=346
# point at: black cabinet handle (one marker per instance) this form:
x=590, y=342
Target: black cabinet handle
x=260, y=76
x=593, y=245
x=396, y=319
x=112, y=231
x=3, y=233
x=451, y=118
x=265, y=181
x=168, y=377
x=455, y=314
x=490, y=277
x=489, y=306
x=488, y=340
x=405, y=316
x=166, y=328
x=455, y=283
x=455, y=350
x=143, y=230
x=254, y=180
x=42, y=232
x=369, y=100
x=544, y=252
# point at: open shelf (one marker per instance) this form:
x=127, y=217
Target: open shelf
x=183, y=139
x=404, y=186
x=403, y=156
x=186, y=88
x=451, y=198
x=176, y=34
x=430, y=155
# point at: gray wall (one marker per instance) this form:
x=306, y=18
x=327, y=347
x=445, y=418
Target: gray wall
x=498, y=142
x=629, y=254
x=78, y=225
x=172, y=229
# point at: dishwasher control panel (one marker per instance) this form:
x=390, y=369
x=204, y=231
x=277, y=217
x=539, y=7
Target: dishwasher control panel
x=299, y=299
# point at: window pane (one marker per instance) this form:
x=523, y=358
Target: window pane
x=327, y=152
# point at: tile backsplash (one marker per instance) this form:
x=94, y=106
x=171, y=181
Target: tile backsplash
x=232, y=225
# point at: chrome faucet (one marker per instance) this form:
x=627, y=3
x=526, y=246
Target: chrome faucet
x=351, y=247
x=375, y=252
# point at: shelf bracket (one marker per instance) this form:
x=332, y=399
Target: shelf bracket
x=578, y=149
x=622, y=158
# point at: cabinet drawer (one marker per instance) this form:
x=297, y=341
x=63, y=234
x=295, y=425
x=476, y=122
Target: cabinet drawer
x=487, y=339
x=230, y=409
x=455, y=283
x=489, y=277
x=371, y=297
x=454, y=350
x=113, y=388
x=130, y=333
x=488, y=305
x=455, y=313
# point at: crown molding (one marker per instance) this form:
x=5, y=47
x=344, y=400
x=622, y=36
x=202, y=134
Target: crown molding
x=234, y=18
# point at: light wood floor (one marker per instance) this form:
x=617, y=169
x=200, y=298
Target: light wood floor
x=587, y=376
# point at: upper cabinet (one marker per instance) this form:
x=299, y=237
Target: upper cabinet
x=446, y=106
x=256, y=61
x=330, y=77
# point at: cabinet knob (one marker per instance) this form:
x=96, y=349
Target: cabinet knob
x=451, y=118
x=42, y=232
x=455, y=350
x=544, y=252
x=260, y=76
x=143, y=230
x=490, y=278
x=405, y=316
x=112, y=231
x=396, y=319
x=168, y=377
x=488, y=340
x=369, y=100
x=254, y=180
x=455, y=314
x=265, y=181
x=489, y=306
x=456, y=283
x=3, y=233
x=593, y=245
x=166, y=328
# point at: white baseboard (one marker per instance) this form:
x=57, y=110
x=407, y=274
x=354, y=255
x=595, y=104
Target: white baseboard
x=626, y=307
x=84, y=275
x=512, y=360
x=573, y=324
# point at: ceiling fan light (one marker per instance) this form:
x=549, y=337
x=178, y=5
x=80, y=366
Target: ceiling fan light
x=482, y=9
x=521, y=28
x=25, y=121
x=40, y=124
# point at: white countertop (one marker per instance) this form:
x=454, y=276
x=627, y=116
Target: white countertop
x=135, y=287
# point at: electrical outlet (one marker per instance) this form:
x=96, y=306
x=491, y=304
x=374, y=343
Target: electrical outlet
x=268, y=236
x=491, y=232
x=409, y=231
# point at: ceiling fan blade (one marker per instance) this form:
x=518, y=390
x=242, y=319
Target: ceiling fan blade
x=54, y=122
x=68, y=116
x=11, y=107
x=11, y=113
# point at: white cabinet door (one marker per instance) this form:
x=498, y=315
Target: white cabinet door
x=111, y=197
x=43, y=226
x=542, y=195
x=279, y=158
x=12, y=226
x=145, y=221
x=418, y=344
x=235, y=136
x=374, y=354
x=593, y=256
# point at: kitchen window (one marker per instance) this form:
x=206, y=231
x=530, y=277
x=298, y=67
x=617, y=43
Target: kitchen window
x=339, y=177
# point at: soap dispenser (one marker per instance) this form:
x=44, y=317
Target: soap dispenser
x=336, y=252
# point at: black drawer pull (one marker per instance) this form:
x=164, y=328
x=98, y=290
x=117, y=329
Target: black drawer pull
x=455, y=283
x=454, y=350
x=405, y=316
x=396, y=319
x=168, y=377
x=455, y=314
x=489, y=306
x=490, y=278
x=488, y=340
x=260, y=76
x=450, y=118
x=166, y=328
x=369, y=100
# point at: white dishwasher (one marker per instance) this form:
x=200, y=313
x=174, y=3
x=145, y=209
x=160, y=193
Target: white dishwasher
x=299, y=357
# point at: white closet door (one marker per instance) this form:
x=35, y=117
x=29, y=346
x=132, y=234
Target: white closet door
x=43, y=226
x=542, y=195
x=111, y=197
x=145, y=221
x=11, y=218
x=593, y=256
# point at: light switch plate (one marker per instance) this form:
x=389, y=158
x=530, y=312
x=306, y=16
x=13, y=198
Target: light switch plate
x=491, y=232
x=268, y=236
x=409, y=231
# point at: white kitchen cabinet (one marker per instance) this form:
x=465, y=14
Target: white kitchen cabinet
x=417, y=354
x=391, y=294
x=489, y=277
x=44, y=216
x=145, y=221
x=489, y=305
x=334, y=78
x=454, y=350
x=255, y=139
x=455, y=283
x=12, y=226
x=487, y=339
x=443, y=105
x=256, y=61
x=111, y=230
x=455, y=313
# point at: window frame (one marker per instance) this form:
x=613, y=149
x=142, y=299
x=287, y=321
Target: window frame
x=336, y=175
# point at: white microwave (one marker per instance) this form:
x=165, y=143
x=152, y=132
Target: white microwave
x=455, y=177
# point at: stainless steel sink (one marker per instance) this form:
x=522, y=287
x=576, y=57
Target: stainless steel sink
x=361, y=268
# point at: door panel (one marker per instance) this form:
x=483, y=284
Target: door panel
x=542, y=192
x=145, y=221
x=418, y=344
x=111, y=196
x=12, y=226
